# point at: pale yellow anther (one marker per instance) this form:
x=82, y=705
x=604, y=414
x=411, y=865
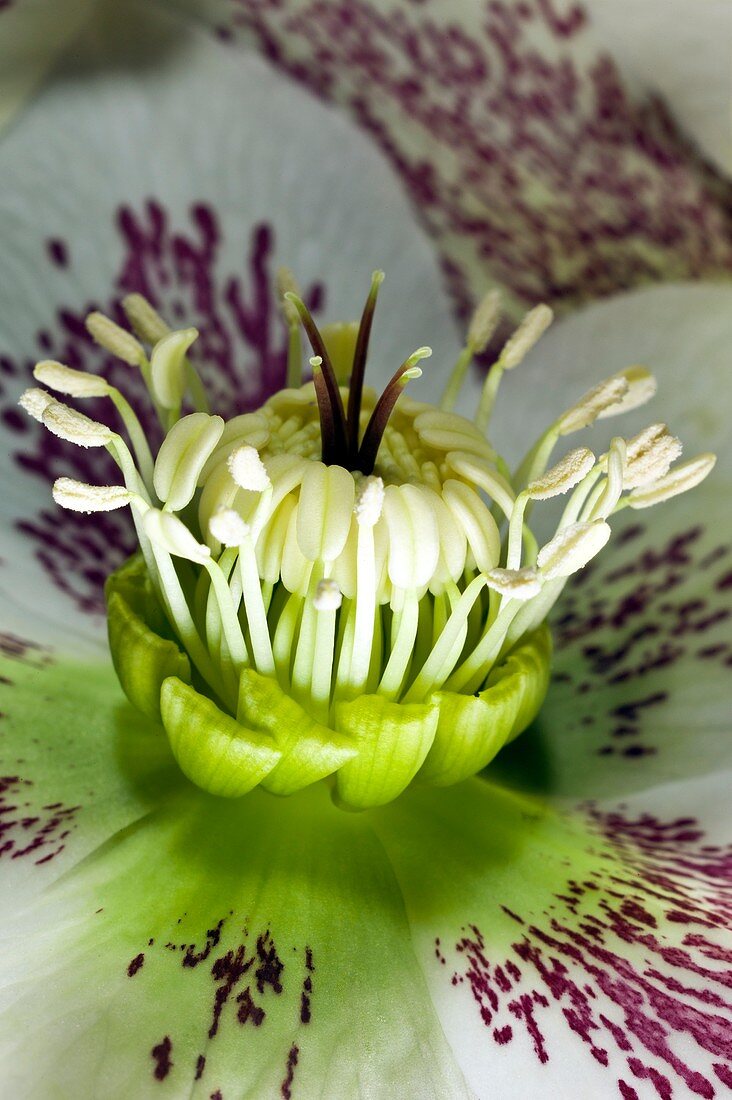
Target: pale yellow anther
x=170, y=534
x=571, y=548
x=649, y=455
x=144, y=318
x=66, y=380
x=248, y=470
x=475, y=521
x=112, y=337
x=514, y=584
x=529, y=332
x=601, y=398
x=325, y=510
x=74, y=427
x=35, y=402
x=484, y=320
x=678, y=480
x=168, y=367
x=562, y=477
x=182, y=456
x=78, y=496
x=642, y=386
x=328, y=596
x=228, y=527
x=369, y=502
x=414, y=548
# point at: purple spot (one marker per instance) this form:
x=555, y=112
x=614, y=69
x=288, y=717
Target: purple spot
x=58, y=252
x=292, y=1059
x=160, y=1054
x=135, y=965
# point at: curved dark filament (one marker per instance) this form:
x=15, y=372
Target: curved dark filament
x=359, y=364
x=330, y=405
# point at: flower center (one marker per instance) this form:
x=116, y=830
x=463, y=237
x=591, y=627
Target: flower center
x=343, y=583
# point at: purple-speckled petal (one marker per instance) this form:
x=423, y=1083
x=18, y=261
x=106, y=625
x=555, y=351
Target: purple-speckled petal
x=458, y=943
x=188, y=175
x=642, y=667
x=533, y=159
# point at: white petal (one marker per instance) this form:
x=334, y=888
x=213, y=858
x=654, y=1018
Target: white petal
x=679, y=51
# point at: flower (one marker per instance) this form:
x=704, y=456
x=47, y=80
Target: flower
x=335, y=625
x=492, y=936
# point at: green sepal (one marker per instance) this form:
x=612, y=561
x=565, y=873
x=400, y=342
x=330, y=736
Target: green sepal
x=393, y=740
x=310, y=751
x=212, y=748
x=473, y=728
x=532, y=661
x=142, y=658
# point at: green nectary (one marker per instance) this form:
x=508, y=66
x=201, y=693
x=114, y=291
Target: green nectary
x=343, y=585
x=375, y=747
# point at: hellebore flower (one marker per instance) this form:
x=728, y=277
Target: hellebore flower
x=561, y=918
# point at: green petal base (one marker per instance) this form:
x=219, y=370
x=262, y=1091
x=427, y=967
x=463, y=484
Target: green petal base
x=377, y=748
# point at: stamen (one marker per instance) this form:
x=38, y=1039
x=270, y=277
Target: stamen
x=228, y=527
x=182, y=456
x=679, y=480
x=414, y=547
x=360, y=356
x=324, y=511
x=476, y=522
x=78, y=496
x=649, y=455
x=145, y=320
x=74, y=427
x=328, y=596
x=600, y=399
x=376, y=426
x=642, y=386
x=572, y=548
x=529, y=332
x=248, y=470
x=483, y=322
x=171, y=534
x=66, y=380
x=113, y=338
x=562, y=477
x=80, y=384
x=369, y=501
x=514, y=584
x=168, y=367
x=514, y=352
x=35, y=402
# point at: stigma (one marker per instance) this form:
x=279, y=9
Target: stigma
x=343, y=585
